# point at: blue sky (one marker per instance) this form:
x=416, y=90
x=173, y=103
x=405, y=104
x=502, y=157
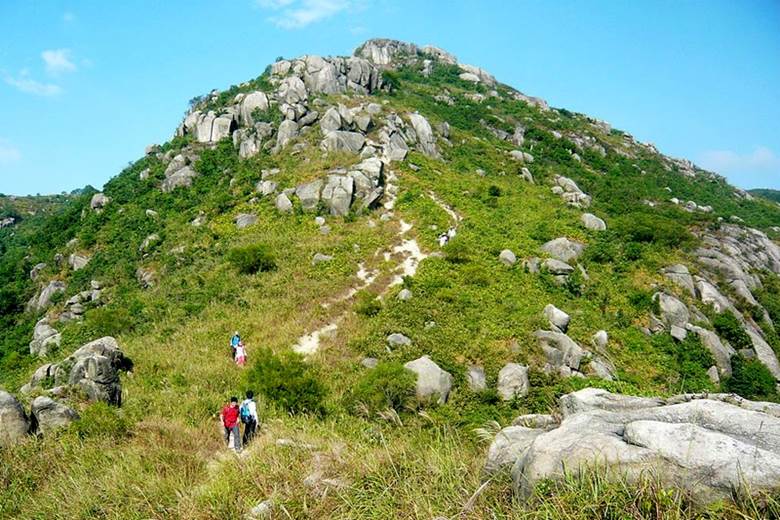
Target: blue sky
x=85, y=85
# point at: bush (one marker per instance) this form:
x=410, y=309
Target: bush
x=367, y=304
x=252, y=259
x=389, y=385
x=101, y=420
x=750, y=379
x=729, y=328
x=690, y=359
x=457, y=252
x=651, y=228
x=288, y=381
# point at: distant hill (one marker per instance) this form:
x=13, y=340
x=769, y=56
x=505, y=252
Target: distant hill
x=767, y=194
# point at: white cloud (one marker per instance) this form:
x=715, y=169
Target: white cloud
x=8, y=152
x=730, y=162
x=274, y=4
x=25, y=83
x=58, y=61
x=296, y=14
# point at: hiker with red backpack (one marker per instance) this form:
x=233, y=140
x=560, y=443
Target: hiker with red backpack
x=229, y=417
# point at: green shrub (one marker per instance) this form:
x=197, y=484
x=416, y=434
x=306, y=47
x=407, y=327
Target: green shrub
x=690, y=359
x=391, y=80
x=729, y=328
x=288, y=381
x=457, y=252
x=252, y=259
x=652, y=228
x=367, y=304
x=750, y=379
x=101, y=420
x=389, y=385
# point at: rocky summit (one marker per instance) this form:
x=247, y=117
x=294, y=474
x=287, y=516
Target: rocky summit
x=455, y=301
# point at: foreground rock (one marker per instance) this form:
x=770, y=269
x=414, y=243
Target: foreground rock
x=708, y=444
x=50, y=415
x=14, y=423
x=432, y=381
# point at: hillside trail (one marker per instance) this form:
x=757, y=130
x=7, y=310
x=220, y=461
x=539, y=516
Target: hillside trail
x=406, y=252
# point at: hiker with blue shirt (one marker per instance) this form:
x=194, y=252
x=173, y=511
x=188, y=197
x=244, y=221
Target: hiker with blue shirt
x=248, y=414
x=234, y=341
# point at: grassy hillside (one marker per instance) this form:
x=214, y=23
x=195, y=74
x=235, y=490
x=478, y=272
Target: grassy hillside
x=161, y=455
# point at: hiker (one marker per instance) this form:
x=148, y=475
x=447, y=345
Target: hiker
x=234, y=341
x=229, y=417
x=248, y=414
x=240, y=354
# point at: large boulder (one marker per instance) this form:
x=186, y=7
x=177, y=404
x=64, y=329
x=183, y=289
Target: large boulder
x=559, y=320
x=507, y=257
x=283, y=204
x=145, y=277
x=309, y=194
x=707, y=444
x=181, y=178
x=331, y=121
x=343, y=141
x=244, y=220
x=560, y=350
x=288, y=130
x=475, y=377
x=50, y=415
x=43, y=300
x=709, y=294
x=513, y=381
x=383, y=51
x=673, y=311
x=680, y=276
x=508, y=445
x=396, y=339
x=570, y=192
x=14, y=423
x=44, y=337
x=77, y=261
x=564, y=249
x=592, y=222
x=432, y=381
x=254, y=101
x=94, y=368
x=721, y=352
x=99, y=201
x=337, y=194
x=425, y=138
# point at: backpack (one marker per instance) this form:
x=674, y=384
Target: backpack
x=244, y=413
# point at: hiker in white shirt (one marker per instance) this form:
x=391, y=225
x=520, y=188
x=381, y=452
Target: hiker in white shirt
x=248, y=414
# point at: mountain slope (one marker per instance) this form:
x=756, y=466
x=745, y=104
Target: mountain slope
x=390, y=148
x=767, y=194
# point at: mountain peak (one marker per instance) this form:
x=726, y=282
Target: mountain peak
x=386, y=52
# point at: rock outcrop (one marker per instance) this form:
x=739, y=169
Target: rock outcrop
x=43, y=300
x=44, y=337
x=94, y=369
x=706, y=444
